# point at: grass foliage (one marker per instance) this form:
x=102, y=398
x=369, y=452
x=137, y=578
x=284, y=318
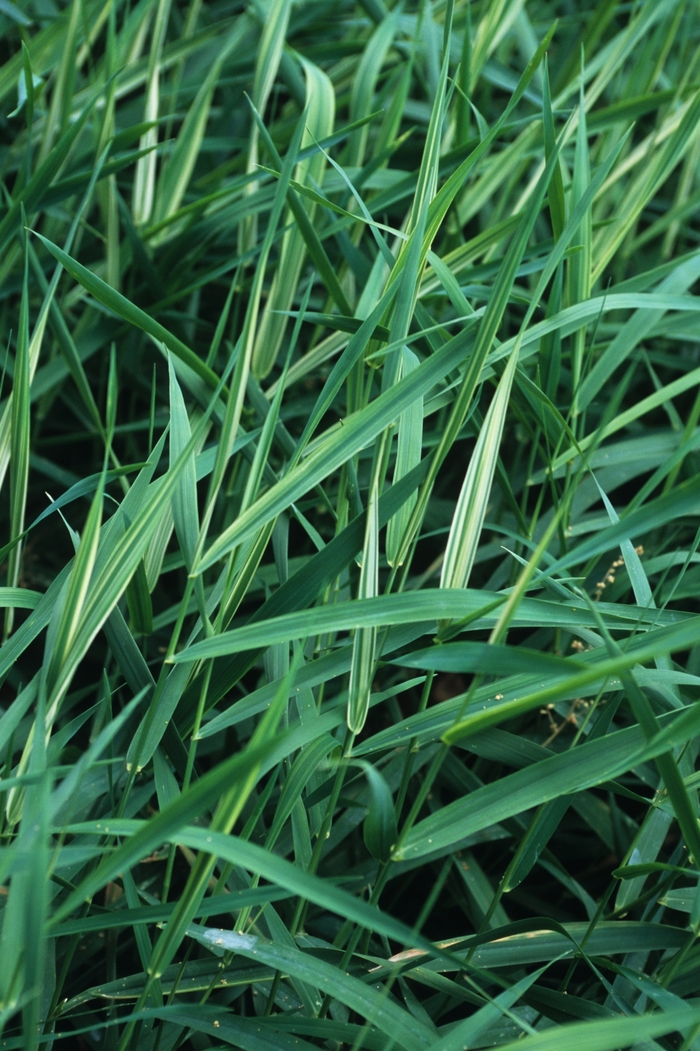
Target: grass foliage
x=350, y=450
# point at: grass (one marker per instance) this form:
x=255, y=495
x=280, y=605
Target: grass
x=349, y=441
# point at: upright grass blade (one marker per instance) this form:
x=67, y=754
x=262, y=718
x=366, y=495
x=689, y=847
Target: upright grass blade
x=64, y=86
x=319, y=117
x=19, y=441
x=266, y=67
x=579, y=265
x=143, y=194
x=408, y=455
x=70, y=604
x=185, y=509
x=365, y=82
x=364, y=644
x=470, y=512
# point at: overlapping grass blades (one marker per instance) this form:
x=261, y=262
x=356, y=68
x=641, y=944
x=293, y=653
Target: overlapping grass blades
x=350, y=671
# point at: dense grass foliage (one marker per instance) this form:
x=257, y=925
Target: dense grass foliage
x=350, y=451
